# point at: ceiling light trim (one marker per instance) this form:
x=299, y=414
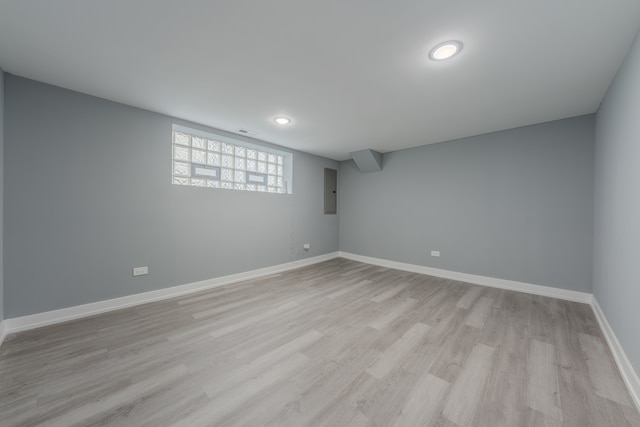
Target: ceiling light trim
x=281, y=120
x=445, y=50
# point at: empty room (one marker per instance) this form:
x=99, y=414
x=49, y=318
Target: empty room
x=319, y=213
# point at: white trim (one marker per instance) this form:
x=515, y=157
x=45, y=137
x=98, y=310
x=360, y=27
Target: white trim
x=57, y=316
x=511, y=285
x=3, y=332
x=629, y=375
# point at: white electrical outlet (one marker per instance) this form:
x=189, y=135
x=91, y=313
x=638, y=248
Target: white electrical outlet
x=306, y=246
x=141, y=271
x=435, y=253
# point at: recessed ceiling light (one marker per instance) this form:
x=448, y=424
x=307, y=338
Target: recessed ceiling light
x=282, y=120
x=445, y=50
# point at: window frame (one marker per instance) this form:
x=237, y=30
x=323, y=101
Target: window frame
x=236, y=141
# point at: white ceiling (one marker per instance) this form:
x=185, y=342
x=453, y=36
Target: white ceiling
x=352, y=74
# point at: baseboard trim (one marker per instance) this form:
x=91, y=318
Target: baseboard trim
x=629, y=374
x=85, y=310
x=3, y=332
x=511, y=285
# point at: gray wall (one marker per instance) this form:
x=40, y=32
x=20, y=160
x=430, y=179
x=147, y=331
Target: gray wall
x=617, y=205
x=514, y=205
x=1, y=192
x=88, y=197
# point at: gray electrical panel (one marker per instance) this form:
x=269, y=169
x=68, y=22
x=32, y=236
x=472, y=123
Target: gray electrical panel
x=330, y=188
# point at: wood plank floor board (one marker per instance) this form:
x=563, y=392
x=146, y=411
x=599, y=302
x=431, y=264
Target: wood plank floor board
x=226, y=380
x=264, y=408
x=602, y=371
x=541, y=320
x=396, y=311
x=399, y=350
x=339, y=343
x=114, y=402
x=344, y=406
x=389, y=293
x=463, y=401
x=424, y=402
x=542, y=385
x=479, y=313
x=454, y=351
x=325, y=391
x=386, y=399
x=469, y=297
x=442, y=303
x=383, y=400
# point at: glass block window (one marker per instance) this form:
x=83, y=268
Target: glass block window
x=207, y=160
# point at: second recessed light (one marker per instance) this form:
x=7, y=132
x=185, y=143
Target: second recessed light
x=445, y=50
x=282, y=120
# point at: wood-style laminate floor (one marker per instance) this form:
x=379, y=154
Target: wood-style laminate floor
x=336, y=344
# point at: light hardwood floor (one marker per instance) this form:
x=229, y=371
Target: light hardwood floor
x=336, y=344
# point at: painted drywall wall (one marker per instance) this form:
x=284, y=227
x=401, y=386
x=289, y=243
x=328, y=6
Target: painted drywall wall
x=89, y=197
x=1, y=194
x=617, y=205
x=513, y=205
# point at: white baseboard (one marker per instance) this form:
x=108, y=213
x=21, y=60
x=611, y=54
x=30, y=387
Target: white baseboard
x=629, y=375
x=3, y=332
x=511, y=285
x=57, y=316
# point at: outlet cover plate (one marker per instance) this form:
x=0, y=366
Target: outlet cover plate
x=141, y=271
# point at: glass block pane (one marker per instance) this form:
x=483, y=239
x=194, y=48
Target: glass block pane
x=262, y=167
x=240, y=176
x=213, y=184
x=180, y=153
x=213, y=159
x=197, y=142
x=279, y=182
x=181, y=169
x=271, y=181
x=252, y=154
x=280, y=171
x=271, y=170
x=241, y=151
x=252, y=165
x=272, y=189
x=272, y=158
x=180, y=181
x=203, y=171
x=262, y=156
x=181, y=138
x=199, y=157
x=227, y=161
x=280, y=160
x=227, y=148
x=240, y=163
x=227, y=185
x=213, y=145
x=256, y=178
x=227, y=174
x=239, y=186
x=262, y=188
x=198, y=182
x=251, y=187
